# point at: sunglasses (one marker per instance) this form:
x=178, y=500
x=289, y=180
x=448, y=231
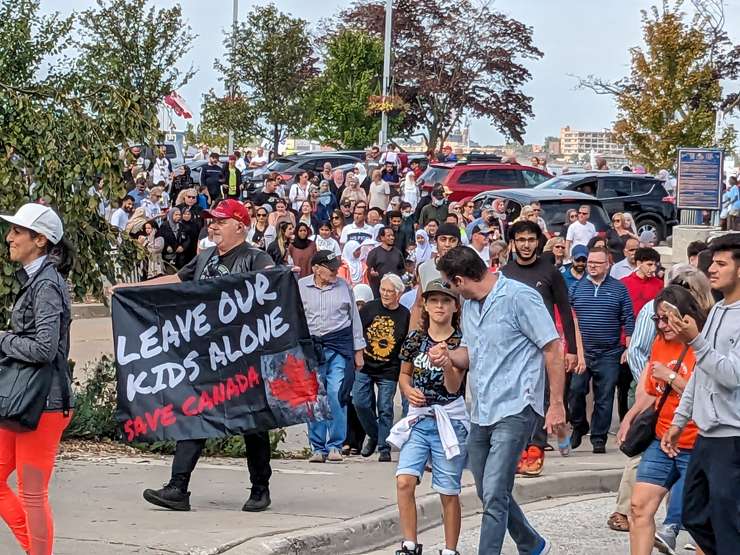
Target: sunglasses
x=655, y=318
x=336, y=218
x=583, y=213
x=261, y=215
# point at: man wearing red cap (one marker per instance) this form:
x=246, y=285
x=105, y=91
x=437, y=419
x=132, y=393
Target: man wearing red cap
x=229, y=222
x=232, y=179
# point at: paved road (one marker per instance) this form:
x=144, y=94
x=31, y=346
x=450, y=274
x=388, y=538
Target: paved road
x=575, y=526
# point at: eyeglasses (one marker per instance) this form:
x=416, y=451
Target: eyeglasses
x=261, y=214
x=655, y=318
x=583, y=213
x=616, y=220
x=336, y=218
x=594, y=263
x=559, y=247
x=189, y=196
x=573, y=216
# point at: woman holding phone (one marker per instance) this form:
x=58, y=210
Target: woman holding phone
x=670, y=366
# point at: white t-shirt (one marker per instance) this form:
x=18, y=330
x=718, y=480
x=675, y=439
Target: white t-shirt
x=580, y=234
x=241, y=165
x=262, y=160
x=389, y=157
x=119, y=219
x=485, y=254
x=329, y=244
x=380, y=194
x=358, y=233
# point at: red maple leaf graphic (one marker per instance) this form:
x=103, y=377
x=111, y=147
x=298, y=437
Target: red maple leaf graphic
x=300, y=385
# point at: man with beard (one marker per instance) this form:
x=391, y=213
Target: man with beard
x=395, y=221
x=545, y=278
x=231, y=255
x=384, y=259
x=573, y=272
x=120, y=217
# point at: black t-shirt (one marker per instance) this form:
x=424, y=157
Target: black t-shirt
x=384, y=262
x=426, y=377
x=547, y=280
x=262, y=198
x=221, y=265
x=385, y=331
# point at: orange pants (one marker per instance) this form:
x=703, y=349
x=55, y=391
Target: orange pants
x=32, y=456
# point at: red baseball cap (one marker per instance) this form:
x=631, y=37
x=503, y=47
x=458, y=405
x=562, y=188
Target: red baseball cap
x=229, y=208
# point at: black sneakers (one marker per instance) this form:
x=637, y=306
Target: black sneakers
x=258, y=500
x=169, y=497
x=599, y=448
x=385, y=456
x=406, y=551
x=369, y=448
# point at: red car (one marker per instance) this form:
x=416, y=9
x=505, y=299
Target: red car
x=467, y=179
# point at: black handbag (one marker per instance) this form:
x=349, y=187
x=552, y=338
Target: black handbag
x=642, y=430
x=24, y=388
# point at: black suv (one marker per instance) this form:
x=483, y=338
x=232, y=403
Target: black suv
x=643, y=196
x=291, y=165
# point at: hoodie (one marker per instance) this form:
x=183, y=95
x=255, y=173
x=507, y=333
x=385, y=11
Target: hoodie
x=712, y=396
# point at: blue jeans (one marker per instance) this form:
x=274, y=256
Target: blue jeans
x=376, y=415
x=493, y=453
x=603, y=371
x=326, y=435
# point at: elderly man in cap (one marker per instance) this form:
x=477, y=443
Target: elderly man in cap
x=228, y=224
x=334, y=323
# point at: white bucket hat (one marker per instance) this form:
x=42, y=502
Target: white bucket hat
x=40, y=219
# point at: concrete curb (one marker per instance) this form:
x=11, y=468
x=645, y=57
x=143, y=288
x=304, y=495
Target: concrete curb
x=85, y=311
x=377, y=529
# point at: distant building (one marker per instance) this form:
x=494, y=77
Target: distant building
x=579, y=143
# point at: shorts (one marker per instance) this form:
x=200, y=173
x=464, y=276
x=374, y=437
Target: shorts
x=659, y=469
x=424, y=444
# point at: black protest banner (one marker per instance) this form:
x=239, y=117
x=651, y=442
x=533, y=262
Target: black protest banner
x=215, y=357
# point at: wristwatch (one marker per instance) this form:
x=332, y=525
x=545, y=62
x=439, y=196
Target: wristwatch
x=672, y=376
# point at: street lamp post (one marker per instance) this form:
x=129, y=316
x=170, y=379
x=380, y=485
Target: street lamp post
x=386, y=68
x=232, y=86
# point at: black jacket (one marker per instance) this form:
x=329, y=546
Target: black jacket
x=40, y=324
x=212, y=177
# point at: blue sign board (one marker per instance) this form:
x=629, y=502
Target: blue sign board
x=699, y=178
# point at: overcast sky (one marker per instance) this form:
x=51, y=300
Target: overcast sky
x=578, y=37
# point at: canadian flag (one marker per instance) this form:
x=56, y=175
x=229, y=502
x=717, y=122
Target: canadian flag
x=177, y=103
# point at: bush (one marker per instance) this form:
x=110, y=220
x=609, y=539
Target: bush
x=94, y=418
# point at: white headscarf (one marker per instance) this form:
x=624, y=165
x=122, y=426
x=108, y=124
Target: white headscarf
x=353, y=262
x=423, y=252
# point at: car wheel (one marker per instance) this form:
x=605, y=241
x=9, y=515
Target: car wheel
x=650, y=224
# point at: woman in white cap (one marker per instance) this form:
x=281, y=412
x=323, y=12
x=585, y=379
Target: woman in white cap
x=39, y=338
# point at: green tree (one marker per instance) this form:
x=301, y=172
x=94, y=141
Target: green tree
x=671, y=97
x=353, y=70
x=269, y=65
x=61, y=131
x=221, y=114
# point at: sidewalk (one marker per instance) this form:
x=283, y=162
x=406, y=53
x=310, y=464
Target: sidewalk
x=317, y=508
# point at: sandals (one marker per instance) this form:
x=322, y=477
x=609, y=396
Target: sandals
x=618, y=522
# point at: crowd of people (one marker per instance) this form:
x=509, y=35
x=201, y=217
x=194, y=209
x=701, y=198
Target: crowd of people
x=493, y=331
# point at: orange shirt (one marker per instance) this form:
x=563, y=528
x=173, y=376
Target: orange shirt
x=667, y=353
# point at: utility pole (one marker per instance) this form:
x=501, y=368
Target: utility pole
x=386, y=68
x=232, y=86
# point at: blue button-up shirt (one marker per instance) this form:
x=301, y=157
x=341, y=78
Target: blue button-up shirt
x=505, y=335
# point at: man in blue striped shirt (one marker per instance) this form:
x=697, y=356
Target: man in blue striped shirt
x=603, y=309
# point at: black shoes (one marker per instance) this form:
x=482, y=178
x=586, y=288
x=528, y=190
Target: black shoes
x=369, y=448
x=169, y=497
x=406, y=551
x=385, y=456
x=599, y=448
x=258, y=500
x=575, y=439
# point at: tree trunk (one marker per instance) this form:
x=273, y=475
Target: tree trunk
x=275, y=139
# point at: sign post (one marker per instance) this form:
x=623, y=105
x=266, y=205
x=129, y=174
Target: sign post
x=699, y=178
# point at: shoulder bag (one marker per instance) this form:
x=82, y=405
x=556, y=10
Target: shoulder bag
x=642, y=430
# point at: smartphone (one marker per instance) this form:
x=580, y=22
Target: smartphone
x=672, y=308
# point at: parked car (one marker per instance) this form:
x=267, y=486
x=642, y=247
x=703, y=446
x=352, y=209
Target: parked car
x=197, y=165
x=468, y=178
x=555, y=204
x=290, y=166
x=643, y=196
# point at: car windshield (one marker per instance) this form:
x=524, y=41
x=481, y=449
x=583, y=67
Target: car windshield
x=559, y=182
x=281, y=164
x=433, y=174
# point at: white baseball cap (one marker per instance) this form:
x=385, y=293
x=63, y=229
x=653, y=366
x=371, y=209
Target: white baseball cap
x=40, y=219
